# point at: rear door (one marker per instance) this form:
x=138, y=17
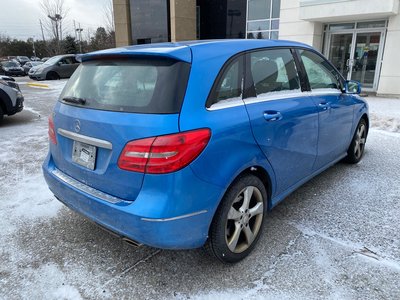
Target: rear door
x=65, y=68
x=105, y=105
x=284, y=120
x=335, y=108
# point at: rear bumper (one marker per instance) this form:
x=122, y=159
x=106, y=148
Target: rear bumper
x=157, y=217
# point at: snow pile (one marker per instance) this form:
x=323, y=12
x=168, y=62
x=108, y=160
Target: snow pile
x=384, y=113
x=385, y=123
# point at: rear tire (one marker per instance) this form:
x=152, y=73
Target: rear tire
x=52, y=76
x=357, y=146
x=237, y=223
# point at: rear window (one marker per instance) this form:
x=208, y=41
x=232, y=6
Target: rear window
x=139, y=85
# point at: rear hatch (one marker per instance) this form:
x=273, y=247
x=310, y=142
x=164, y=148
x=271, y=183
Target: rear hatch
x=108, y=102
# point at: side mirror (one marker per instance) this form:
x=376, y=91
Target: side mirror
x=59, y=63
x=352, y=87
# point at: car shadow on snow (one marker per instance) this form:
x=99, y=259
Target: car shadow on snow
x=20, y=118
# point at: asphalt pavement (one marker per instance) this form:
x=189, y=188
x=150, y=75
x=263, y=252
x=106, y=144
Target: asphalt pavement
x=336, y=237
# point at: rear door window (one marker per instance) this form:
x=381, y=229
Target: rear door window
x=273, y=70
x=135, y=85
x=229, y=85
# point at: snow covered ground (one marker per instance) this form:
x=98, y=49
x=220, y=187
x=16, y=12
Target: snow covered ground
x=337, y=237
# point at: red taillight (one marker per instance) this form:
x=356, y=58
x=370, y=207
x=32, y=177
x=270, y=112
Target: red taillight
x=52, y=131
x=164, y=154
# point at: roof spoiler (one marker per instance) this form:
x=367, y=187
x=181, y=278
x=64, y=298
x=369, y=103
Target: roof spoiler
x=172, y=51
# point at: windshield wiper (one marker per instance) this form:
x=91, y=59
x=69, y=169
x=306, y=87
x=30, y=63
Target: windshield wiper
x=75, y=100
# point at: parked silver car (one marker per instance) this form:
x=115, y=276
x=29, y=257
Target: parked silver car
x=29, y=65
x=11, y=99
x=61, y=66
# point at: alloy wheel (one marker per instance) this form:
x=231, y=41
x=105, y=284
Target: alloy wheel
x=244, y=219
x=360, y=141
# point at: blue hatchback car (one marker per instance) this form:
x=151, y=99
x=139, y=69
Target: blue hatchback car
x=180, y=145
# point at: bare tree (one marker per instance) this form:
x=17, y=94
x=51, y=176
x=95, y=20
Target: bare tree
x=108, y=15
x=55, y=13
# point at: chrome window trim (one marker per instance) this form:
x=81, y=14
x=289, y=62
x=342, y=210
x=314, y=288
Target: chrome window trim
x=225, y=104
x=274, y=96
x=85, y=139
x=85, y=188
x=319, y=92
x=175, y=218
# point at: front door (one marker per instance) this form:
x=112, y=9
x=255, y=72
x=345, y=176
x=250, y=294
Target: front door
x=357, y=55
x=335, y=109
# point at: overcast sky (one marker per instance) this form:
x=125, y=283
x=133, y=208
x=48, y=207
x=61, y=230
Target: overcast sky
x=20, y=18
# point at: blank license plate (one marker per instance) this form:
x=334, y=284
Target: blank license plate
x=84, y=154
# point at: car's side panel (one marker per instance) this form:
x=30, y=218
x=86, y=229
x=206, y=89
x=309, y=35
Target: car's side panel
x=289, y=142
x=336, y=112
x=360, y=109
x=336, y=109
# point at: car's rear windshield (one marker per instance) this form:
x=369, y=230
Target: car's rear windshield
x=129, y=85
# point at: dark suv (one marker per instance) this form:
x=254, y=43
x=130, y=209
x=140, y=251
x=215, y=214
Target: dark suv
x=11, y=99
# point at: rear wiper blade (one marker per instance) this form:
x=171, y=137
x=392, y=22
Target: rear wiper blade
x=75, y=100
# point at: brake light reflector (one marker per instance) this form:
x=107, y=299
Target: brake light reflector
x=52, y=131
x=164, y=154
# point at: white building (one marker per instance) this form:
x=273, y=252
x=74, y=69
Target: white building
x=360, y=37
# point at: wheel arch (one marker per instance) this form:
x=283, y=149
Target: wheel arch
x=265, y=178
x=258, y=171
x=366, y=119
x=5, y=102
x=49, y=73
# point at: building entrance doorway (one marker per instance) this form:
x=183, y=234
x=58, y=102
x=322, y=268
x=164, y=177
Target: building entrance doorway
x=356, y=50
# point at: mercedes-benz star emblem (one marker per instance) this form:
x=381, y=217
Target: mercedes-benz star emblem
x=77, y=126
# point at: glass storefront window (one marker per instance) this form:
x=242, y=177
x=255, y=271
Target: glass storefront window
x=258, y=35
x=276, y=8
x=263, y=19
x=275, y=24
x=355, y=49
x=274, y=35
x=258, y=25
x=259, y=9
x=373, y=24
x=341, y=26
x=150, y=23
x=221, y=19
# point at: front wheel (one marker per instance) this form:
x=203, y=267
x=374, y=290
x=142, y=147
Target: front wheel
x=238, y=221
x=357, y=146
